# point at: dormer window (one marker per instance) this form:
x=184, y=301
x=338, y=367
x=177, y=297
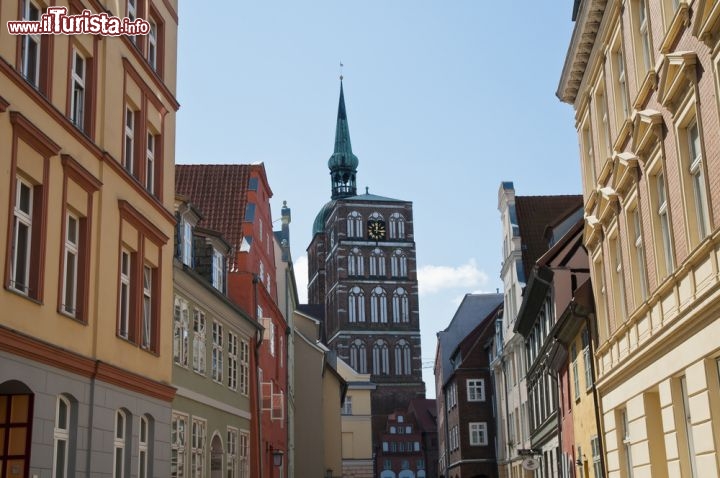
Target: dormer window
x=187, y=241
x=218, y=270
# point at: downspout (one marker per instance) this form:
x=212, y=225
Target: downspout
x=257, y=378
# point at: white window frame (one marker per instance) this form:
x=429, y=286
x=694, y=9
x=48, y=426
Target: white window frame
x=244, y=455
x=198, y=439
x=232, y=360
x=143, y=447
x=61, y=434
x=354, y=225
x=147, y=314
x=401, y=306
x=119, y=443
x=244, y=367
x=218, y=264
x=639, y=254
x=181, y=319
x=644, y=31
x=232, y=453
x=77, y=89
x=22, y=219
x=356, y=305
x=378, y=305
x=178, y=444
x=132, y=16
x=199, y=341
x=150, y=163
x=217, y=352
x=377, y=263
x=124, y=293
x=397, y=226
x=153, y=44
x=475, y=389
x=70, y=265
x=129, y=140
x=664, y=218
x=696, y=171
x=347, y=406
x=31, y=12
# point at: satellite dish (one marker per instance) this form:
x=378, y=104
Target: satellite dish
x=530, y=463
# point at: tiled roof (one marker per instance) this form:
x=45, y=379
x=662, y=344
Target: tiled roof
x=534, y=214
x=219, y=192
x=425, y=411
x=316, y=311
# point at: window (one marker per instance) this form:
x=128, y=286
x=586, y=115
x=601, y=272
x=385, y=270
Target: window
x=62, y=437
x=253, y=184
x=377, y=263
x=121, y=433
x=22, y=237
x=695, y=175
x=355, y=263
x=622, y=102
x=132, y=14
x=70, y=274
x=644, y=31
x=77, y=89
x=144, y=458
x=597, y=466
x=232, y=360
x=398, y=264
x=476, y=390
x=403, y=362
x=250, y=212
x=244, y=456
x=618, y=281
x=356, y=305
x=181, y=316
x=378, y=305
x=397, y=226
x=626, y=452
x=197, y=448
x=178, y=448
x=663, y=218
x=576, y=377
x=147, y=308
x=689, y=445
x=587, y=359
x=187, y=245
x=124, y=319
x=129, y=151
x=218, y=263
x=199, y=342
x=354, y=225
x=638, y=256
x=358, y=356
x=271, y=335
x=347, y=405
x=381, y=358
x=150, y=163
x=232, y=453
x=31, y=46
x=401, y=306
x=244, y=367
x=601, y=111
x=217, y=352
x=588, y=157
x=153, y=45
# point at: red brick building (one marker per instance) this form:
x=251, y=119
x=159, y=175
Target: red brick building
x=235, y=200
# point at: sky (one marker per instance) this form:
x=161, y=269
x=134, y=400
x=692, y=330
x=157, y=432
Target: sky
x=445, y=99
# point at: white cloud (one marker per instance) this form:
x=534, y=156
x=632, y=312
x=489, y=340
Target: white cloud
x=432, y=279
x=301, y=277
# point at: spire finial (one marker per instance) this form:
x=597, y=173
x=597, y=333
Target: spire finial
x=341, y=70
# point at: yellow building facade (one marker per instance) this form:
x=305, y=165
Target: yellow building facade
x=643, y=77
x=356, y=423
x=87, y=133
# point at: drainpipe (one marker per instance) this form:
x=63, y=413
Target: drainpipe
x=258, y=341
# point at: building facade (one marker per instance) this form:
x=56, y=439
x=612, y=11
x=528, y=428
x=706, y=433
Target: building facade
x=235, y=201
x=87, y=131
x=643, y=78
x=362, y=268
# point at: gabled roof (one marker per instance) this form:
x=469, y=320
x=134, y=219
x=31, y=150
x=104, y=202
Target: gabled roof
x=473, y=310
x=425, y=411
x=220, y=192
x=534, y=214
x=314, y=311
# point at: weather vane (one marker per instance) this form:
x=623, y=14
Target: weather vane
x=341, y=71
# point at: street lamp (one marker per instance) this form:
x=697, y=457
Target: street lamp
x=277, y=457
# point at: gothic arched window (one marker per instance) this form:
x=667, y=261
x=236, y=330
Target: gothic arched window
x=401, y=305
x=358, y=356
x=377, y=263
x=356, y=265
x=397, y=226
x=381, y=358
x=402, y=358
x=354, y=224
x=398, y=264
x=378, y=305
x=356, y=305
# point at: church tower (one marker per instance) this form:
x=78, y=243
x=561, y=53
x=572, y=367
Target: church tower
x=362, y=268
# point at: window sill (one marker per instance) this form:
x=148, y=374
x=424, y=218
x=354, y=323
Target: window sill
x=23, y=295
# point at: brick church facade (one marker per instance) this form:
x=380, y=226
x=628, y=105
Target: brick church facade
x=362, y=267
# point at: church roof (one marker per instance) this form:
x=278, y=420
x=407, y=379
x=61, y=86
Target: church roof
x=319, y=223
x=342, y=157
x=372, y=197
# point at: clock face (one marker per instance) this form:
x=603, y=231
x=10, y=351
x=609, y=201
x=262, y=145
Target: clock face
x=376, y=230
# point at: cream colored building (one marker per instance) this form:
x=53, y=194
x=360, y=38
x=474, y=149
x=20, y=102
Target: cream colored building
x=644, y=79
x=356, y=423
x=87, y=133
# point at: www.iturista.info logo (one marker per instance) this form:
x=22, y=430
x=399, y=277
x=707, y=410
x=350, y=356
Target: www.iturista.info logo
x=56, y=21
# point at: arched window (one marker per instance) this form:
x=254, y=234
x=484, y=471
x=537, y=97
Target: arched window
x=381, y=358
x=377, y=263
x=358, y=356
x=62, y=452
x=356, y=305
x=398, y=264
x=401, y=305
x=145, y=451
x=122, y=432
x=378, y=305
x=403, y=358
x=354, y=225
x=356, y=266
x=397, y=226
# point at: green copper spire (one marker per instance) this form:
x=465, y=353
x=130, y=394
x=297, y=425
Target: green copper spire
x=343, y=163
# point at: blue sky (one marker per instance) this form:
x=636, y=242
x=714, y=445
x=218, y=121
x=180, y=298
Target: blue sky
x=445, y=99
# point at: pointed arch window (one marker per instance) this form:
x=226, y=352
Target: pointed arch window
x=356, y=265
x=356, y=305
x=398, y=264
x=397, y=226
x=377, y=263
x=402, y=358
x=354, y=224
x=381, y=358
x=378, y=305
x=401, y=305
x=358, y=356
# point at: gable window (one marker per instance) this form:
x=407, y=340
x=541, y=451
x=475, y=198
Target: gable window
x=129, y=151
x=199, y=342
x=31, y=45
x=187, y=249
x=218, y=263
x=401, y=306
x=476, y=390
x=253, y=184
x=356, y=305
x=181, y=317
x=250, y=212
x=478, y=434
x=378, y=305
x=77, y=89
